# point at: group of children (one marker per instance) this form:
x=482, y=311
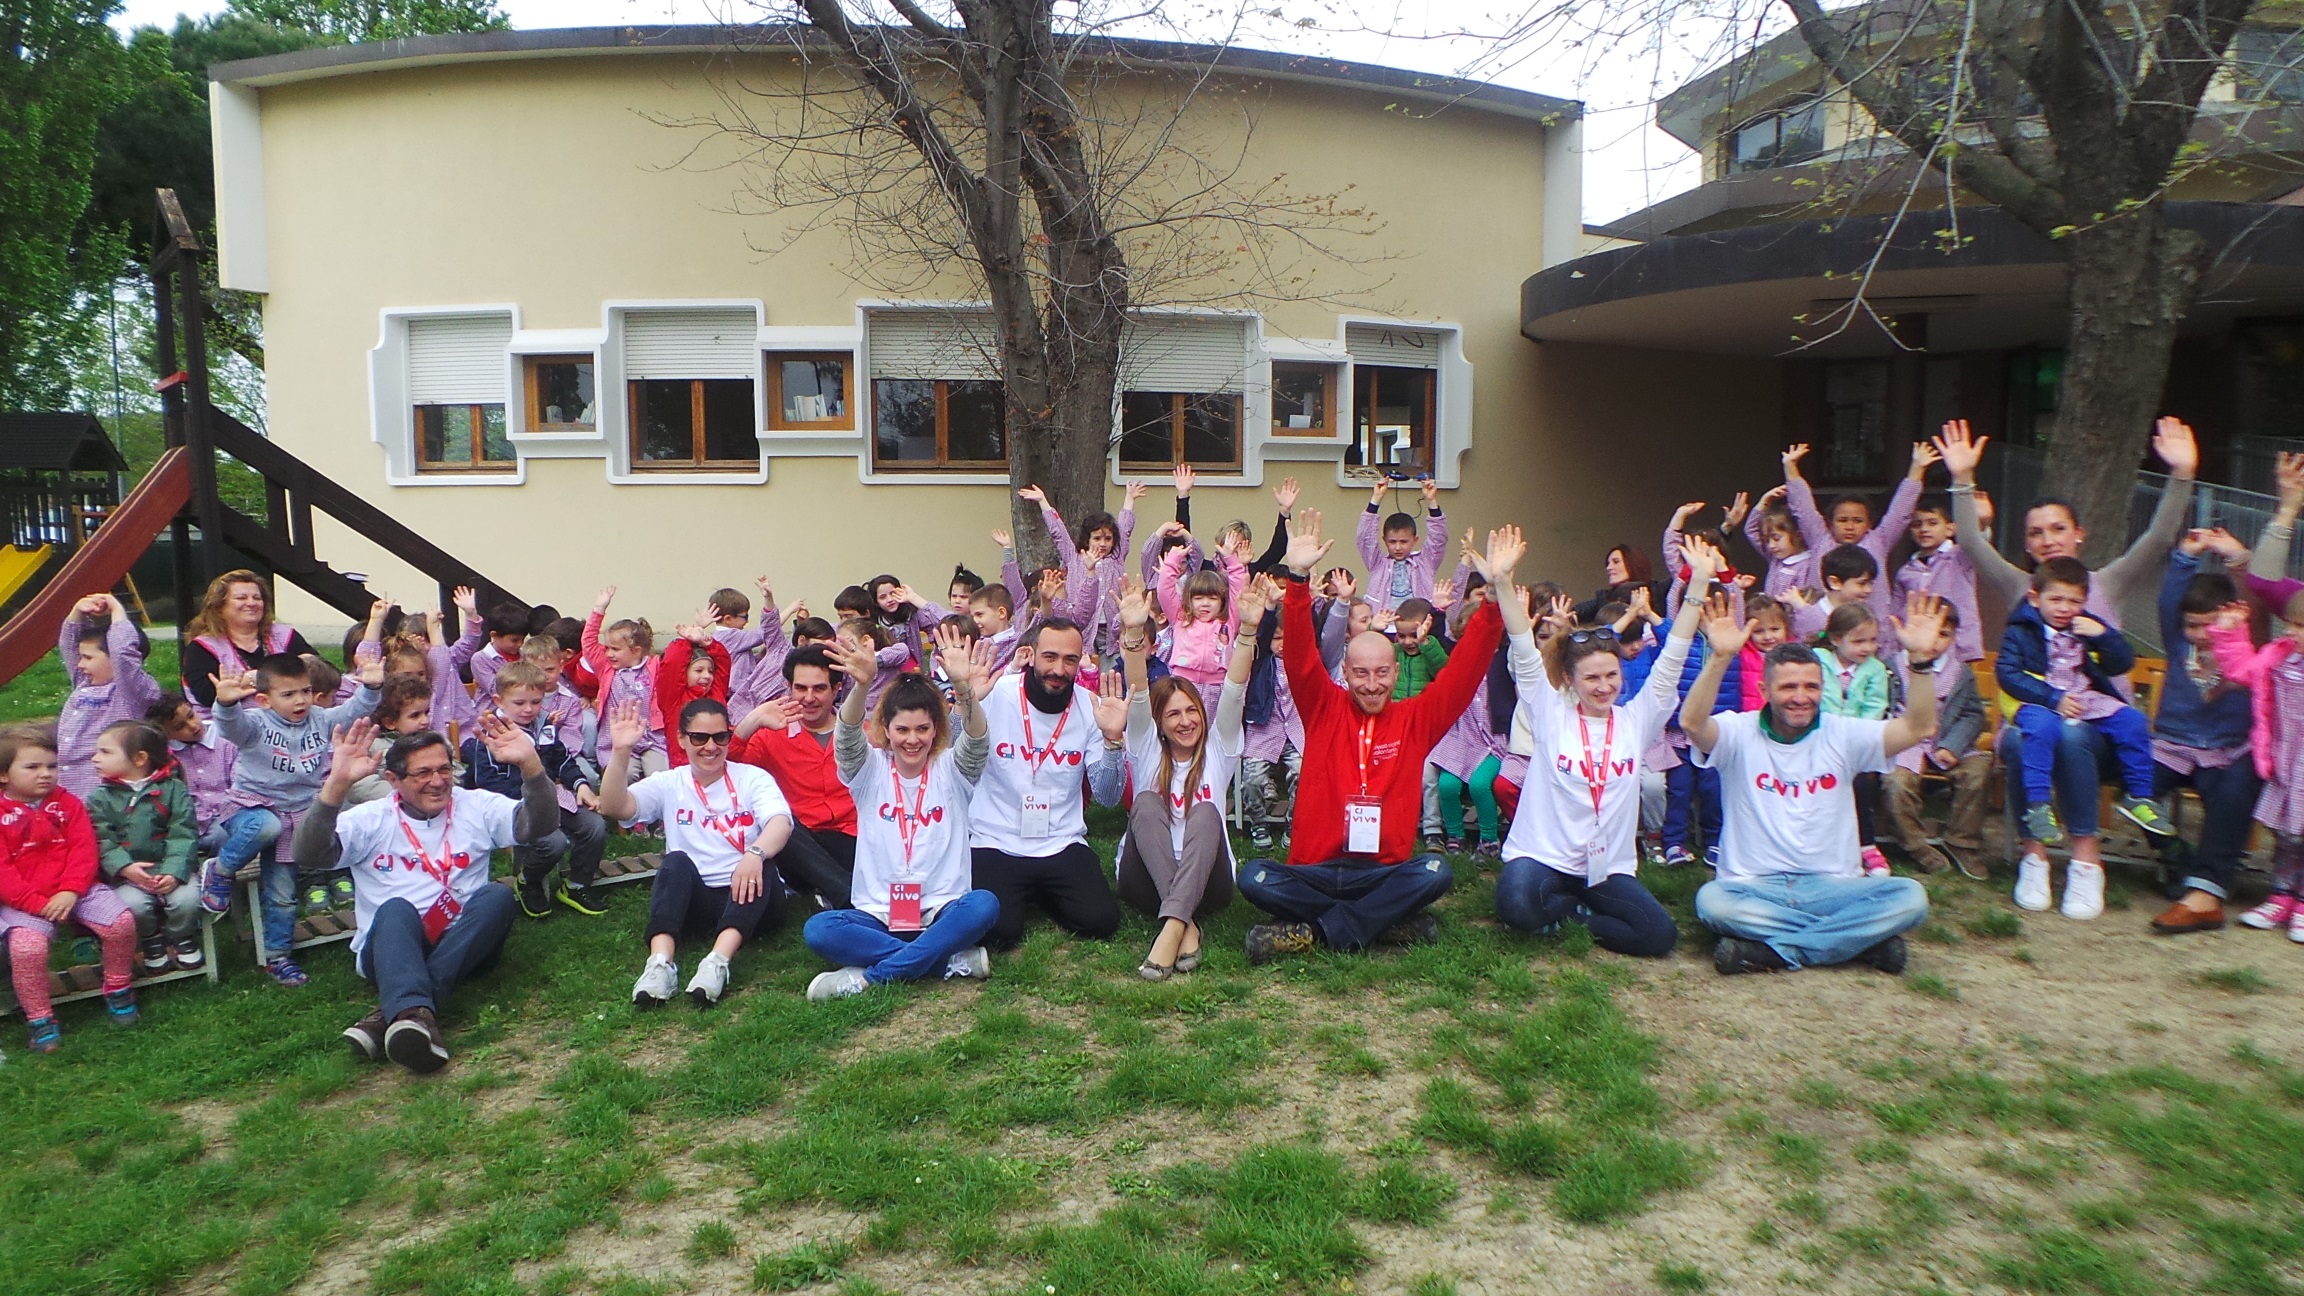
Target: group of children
x=144, y=806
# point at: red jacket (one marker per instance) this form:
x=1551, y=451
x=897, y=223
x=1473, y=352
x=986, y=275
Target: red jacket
x=808, y=775
x=45, y=849
x=1399, y=737
x=672, y=691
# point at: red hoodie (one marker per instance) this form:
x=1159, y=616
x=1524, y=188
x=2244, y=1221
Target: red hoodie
x=672, y=691
x=45, y=849
x=1398, y=738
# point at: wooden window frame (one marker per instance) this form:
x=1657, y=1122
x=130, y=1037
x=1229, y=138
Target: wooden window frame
x=1176, y=404
x=1331, y=383
x=943, y=462
x=773, y=362
x=1358, y=441
x=529, y=364
x=477, y=464
x=636, y=429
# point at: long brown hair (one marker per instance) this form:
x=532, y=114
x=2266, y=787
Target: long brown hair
x=211, y=618
x=1163, y=689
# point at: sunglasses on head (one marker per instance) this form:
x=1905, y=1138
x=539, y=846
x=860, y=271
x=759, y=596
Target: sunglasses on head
x=721, y=736
x=1602, y=635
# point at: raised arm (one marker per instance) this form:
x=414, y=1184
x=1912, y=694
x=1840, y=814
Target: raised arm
x=2172, y=441
x=1927, y=640
x=2271, y=555
x=1726, y=636
x=1801, y=500
x=626, y=727
x=1962, y=452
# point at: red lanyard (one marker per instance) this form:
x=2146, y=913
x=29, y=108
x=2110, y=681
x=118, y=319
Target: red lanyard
x=441, y=868
x=1596, y=772
x=1367, y=749
x=1033, y=760
x=735, y=809
x=908, y=825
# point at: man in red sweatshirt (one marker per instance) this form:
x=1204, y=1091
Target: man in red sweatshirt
x=1352, y=875
x=791, y=738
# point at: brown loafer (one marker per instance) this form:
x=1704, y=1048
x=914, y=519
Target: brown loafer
x=2179, y=920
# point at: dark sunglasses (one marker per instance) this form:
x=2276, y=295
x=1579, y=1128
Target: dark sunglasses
x=720, y=736
x=1601, y=635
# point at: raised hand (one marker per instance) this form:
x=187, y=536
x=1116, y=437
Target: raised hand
x=1961, y=451
x=855, y=660
x=1257, y=597
x=767, y=595
x=1135, y=603
x=1001, y=538
x=1133, y=491
x=1721, y=628
x=1443, y=595
x=1305, y=547
x=775, y=713
x=2289, y=470
x=1172, y=527
x=1737, y=509
x=1285, y=495
x=1384, y=620
x=1378, y=493
x=1704, y=562
x=506, y=743
x=699, y=634
x=2224, y=545
x=232, y=688
x=466, y=599
x=352, y=751
x=957, y=655
x=371, y=672
x=906, y=594
x=1340, y=584
x=1923, y=454
x=89, y=607
x=1792, y=457
x=1184, y=477
x=798, y=611
x=1923, y=630
x=1772, y=495
x=606, y=596
x=1034, y=494
x=2172, y=441
x=1686, y=511
x=1641, y=605
x=1051, y=585
x=1112, y=705
x=1506, y=548
x=1431, y=490
x=627, y=726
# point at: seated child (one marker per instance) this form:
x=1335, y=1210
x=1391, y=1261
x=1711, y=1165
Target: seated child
x=1856, y=685
x=146, y=830
x=618, y=655
x=103, y=654
x=48, y=876
x=1952, y=752
x=755, y=656
x=694, y=665
x=284, y=744
x=1848, y=574
x=1420, y=652
x=1938, y=567
x=582, y=837
x=1273, y=738
x=1770, y=628
x=204, y=760
x=570, y=719
x=993, y=610
x=403, y=706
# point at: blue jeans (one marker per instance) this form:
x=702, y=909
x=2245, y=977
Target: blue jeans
x=2126, y=732
x=410, y=972
x=1685, y=783
x=1350, y=901
x=854, y=938
x=241, y=837
x=1812, y=920
x=2228, y=806
x=1622, y=915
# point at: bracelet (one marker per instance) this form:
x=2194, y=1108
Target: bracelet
x=1962, y=488
x=1923, y=668
x=2279, y=528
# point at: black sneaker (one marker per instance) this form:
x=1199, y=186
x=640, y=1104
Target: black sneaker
x=1734, y=955
x=535, y=901
x=1435, y=845
x=1416, y=929
x=414, y=1041
x=579, y=897
x=155, y=954
x=367, y=1036
x=1268, y=941
x=1888, y=956
x=1260, y=836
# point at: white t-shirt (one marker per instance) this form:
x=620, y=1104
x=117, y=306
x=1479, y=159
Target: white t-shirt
x=1216, y=770
x=1791, y=807
x=1053, y=775
x=1555, y=824
x=939, y=861
x=702, y=824
x=385, y=867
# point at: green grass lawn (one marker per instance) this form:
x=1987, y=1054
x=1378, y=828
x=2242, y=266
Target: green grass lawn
x=1331, y=1124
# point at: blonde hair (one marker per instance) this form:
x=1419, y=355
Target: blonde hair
x=1205, y=583
x=540, y=651
x=211, y=618
x=634, y=633
x=520, y=674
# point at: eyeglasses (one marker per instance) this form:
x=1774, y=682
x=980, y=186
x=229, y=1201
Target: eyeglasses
x=1601, y=635
x=719, y=736
x=429, y=774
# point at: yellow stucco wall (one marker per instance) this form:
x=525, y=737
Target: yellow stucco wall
x=556, y=185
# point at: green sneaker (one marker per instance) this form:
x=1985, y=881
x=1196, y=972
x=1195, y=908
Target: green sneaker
x=2040, y=825
x=341, y=888
x=2146, y=814
x=582, y=899
x=316, y=898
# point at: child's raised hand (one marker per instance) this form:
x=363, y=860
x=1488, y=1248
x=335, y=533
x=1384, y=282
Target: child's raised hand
x=1172, y=527
x=1285, y=494
x=1378, y=492
x=232, y=688
x=1135, y=603
x=767, y=595
x=1704, y=562
x=1737, y=509
x=1443, y=595
x=1923, y=454
x=1001, y=538
x=627, y=726
x=466, y=598
x=607, y=595
x=352, y=752
x=1034, y=494
x=798, y=610
x=1340, y=584
x=1681, y=515
x=1792, y=457
x=1642, y=606
x=1772, y=495
x=2226, y=546
x=372, y=671
x=699, y=634
x=378, y=611
x=1383, y=620
x=91, y=606
x=1431, y=490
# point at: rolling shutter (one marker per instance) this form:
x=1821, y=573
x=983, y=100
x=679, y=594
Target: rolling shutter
x=458, y=359
x=1395, y=344
x=933, y=344
x=1184, y=354
x=717, y=343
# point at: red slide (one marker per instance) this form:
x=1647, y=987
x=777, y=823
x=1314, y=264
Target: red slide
x=99, y=565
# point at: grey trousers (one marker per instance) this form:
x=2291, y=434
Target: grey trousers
x=1151, y=877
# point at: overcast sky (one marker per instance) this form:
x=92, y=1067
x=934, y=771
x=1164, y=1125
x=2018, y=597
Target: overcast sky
x=1628, y=163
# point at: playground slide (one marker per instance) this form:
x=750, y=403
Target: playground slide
x=98, y=565
x=18, y=566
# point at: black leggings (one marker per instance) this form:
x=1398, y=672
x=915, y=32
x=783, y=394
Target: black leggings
x=1069, y=884
x=819, y=862
x=682, y=907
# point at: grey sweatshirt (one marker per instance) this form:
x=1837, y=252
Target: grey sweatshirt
x=282, y=765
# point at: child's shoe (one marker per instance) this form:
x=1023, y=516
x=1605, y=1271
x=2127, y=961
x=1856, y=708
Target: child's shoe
x=187, y=955
x=2032, y=883
x=283, y=969
x=2040, y=825
x=2083, y=890
x=1434, y=844
x=121, y=1004
x=1454, y=845
x=1260, y=836
x=340, y=890
x=1677, y=857
x=1875, y=863
x=2146, y=814
x=215, y=887
x=154, y=954
x=2272, y=915
x=1488, y=850
x=581, y=898
x=315, y=899
x=44, y=1035
x=2296, y=927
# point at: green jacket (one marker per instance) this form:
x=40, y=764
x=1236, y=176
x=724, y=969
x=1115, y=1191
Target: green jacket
x=1866, y=697
x=1417, y=668
x=157, y=826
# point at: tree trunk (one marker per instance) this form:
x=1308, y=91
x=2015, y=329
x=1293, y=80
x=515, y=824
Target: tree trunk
x=2132, y=279
x=1063, y=450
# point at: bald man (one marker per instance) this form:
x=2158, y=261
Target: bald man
x=1352, y=876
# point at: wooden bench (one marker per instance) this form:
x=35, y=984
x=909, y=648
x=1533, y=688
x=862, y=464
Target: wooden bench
x=86, y=980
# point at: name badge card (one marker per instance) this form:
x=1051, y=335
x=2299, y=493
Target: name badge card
x=437, y=918
x=904, y=907
x=1363, y=825
x=1033, y=822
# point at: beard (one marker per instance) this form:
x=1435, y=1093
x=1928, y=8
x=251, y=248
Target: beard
x=1049, y=699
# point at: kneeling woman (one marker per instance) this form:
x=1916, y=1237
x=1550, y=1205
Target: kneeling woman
x=1175, y=862
x=1573, y=848
x=916, y=913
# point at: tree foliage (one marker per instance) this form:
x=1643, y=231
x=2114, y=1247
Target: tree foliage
x=368, y=20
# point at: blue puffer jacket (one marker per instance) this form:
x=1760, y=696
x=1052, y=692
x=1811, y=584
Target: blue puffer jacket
x=2023, y=665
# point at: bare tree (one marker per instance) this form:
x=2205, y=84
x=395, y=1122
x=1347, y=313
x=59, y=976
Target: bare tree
x=1073, y=177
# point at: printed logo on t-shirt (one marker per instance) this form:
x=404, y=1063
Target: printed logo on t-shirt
x=1016, y=751
x=931, y=815
x=394, y=861
x=1567, y=764
x=1383, y=751
x=719, y=821
x=1782, y=787
x=1176, y=803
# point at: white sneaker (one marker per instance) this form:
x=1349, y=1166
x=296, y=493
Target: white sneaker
x=2032, y=883
x=711, y=978
x=839, y=983
x=2296, y=928
x=972, y=962
x=657, y=983
x=2083, y=890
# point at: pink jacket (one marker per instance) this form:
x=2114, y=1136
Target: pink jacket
x=2245, y=664
x=1751, y=671
x=1200, y=650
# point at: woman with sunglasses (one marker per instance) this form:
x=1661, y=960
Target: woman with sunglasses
x=1573, y=848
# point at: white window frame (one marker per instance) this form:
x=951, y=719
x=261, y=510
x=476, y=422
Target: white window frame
x=392, y=410
x=1452, y=400
x=615, y=423
x=867, y=470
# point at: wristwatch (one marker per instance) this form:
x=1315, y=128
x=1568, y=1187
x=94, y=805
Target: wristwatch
x=1927, y=667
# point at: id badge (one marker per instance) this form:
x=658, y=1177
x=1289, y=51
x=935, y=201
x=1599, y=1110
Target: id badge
x=1363, y=825
x=904, y=907
x=443, y=912
x=1034, y=820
